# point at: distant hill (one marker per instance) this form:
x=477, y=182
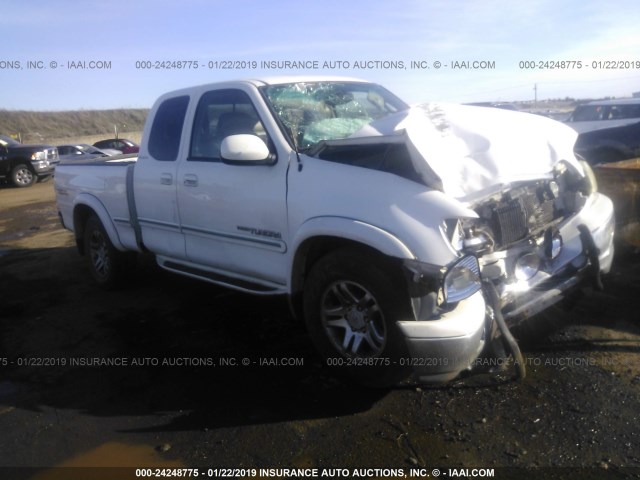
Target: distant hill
x=34, y=127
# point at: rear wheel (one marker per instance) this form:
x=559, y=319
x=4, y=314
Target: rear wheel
x=109, y=267
x=22, y=176
x=352, y=302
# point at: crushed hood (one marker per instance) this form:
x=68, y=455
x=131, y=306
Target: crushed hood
x=476, y=149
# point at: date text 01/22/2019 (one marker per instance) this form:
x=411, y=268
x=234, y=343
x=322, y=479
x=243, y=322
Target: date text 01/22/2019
x=313, y=472
x=315, y=65
x=386, y=361
x=579, y=65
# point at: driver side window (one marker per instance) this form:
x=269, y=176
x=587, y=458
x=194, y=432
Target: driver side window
x=222, y=113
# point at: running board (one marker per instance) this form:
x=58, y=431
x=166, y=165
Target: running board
x=221, y=279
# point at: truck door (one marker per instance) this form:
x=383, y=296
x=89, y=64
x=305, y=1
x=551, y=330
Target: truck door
x=233, y=216
x=155, y=180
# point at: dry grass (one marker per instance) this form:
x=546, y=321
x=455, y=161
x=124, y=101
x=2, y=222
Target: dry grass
x=84, y=126
x=91, y=139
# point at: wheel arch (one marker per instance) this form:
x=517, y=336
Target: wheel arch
x=15, y=161
x=84, y=207
x=320, y=236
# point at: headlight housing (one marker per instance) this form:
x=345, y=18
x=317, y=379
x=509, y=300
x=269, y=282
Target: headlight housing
x=462, y=279
x=526, y=266
x=39, y=156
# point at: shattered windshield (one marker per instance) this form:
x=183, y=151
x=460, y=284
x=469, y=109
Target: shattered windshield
x=315, y=111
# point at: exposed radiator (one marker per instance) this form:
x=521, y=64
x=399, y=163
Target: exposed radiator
x=528, y=213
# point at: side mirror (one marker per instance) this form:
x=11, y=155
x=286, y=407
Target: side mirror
x=245, y=149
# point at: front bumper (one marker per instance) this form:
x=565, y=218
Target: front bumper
x=442, y=348
x=44, y=167
x=587, y=251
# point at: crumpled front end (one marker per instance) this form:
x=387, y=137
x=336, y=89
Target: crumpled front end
x=540, y=239
x=535, y=228
x=534, y=241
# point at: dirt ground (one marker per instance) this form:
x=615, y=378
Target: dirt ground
x=178, y=392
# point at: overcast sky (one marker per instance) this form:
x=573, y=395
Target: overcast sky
x=383, y=37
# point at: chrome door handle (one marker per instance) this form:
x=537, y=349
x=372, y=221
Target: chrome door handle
x=190, y=180
x=166, y=179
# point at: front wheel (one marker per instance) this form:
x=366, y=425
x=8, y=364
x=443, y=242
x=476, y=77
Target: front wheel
x=108, y=266
x=352, y=302
x=22, y=176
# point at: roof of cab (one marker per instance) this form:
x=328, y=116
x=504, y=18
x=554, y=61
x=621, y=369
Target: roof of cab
x=278, y=80
x=259, y=82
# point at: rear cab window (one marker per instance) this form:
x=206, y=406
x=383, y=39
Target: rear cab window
x=166, y=131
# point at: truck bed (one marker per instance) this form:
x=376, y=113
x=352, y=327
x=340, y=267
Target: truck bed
x=123, y=159
x=104, y=187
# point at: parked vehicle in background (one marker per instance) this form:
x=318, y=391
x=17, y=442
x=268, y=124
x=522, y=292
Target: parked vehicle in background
x=605, y=114
x=121, y=144
x=80, y=151
x=110, y=152
x=609, y=130
x=408, y=239
x=24, y=165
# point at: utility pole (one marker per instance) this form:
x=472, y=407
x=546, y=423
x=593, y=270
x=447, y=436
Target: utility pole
x=535, y=98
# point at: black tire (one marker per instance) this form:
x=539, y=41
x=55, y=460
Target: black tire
x=109, y=267
x=22, y=176
x=352, y=301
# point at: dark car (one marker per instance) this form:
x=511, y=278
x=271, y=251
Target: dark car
x=23, y=165
x=605, y=114
x=610, y=144
x=609, y=130
x=122, y=144
x=80, y=151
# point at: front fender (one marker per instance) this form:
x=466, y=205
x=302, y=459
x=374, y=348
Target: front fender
x=355, y=230
x=86, y=200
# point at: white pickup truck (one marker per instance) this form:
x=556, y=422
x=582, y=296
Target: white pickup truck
x=408, y=238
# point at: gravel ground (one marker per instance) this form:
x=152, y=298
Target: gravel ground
x=177, y=400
